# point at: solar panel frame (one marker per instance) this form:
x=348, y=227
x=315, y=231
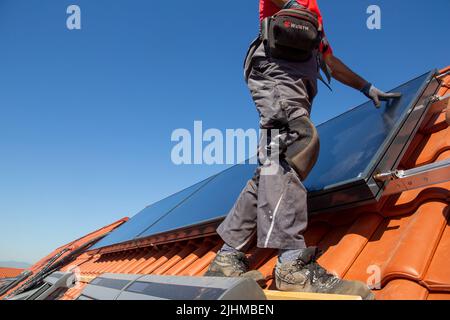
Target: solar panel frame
x=365, y=189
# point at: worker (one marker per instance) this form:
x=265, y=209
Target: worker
x=273, y=205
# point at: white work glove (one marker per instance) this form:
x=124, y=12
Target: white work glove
x=377, y=95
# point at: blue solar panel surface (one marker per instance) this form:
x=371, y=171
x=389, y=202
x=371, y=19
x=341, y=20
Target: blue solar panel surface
x=214, y=200
x=147, y=217
x=350, y=142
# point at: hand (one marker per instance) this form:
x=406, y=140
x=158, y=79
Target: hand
x=377, y=95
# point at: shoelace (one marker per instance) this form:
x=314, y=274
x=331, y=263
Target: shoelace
x=240, y=261
x=318, y=273
x=316, y=270
x=245, y=262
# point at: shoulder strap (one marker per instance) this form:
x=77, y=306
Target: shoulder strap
x=323, y=66
x=293, y=4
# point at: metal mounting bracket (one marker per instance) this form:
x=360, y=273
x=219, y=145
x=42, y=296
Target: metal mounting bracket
x=403, y=180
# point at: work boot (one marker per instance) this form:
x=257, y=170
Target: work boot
x=306, y=275
x=229, y=264
x=233, y=265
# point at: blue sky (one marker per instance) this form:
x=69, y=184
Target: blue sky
x=86, y=116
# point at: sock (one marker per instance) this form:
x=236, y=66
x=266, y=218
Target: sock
x=227, y=249
x=289, y=255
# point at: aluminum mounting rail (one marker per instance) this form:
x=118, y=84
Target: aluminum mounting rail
x=420, y=177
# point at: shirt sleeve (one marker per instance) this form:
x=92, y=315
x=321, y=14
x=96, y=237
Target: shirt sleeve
x=325, y=47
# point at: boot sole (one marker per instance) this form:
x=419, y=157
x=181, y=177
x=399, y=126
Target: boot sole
x=255, y=275
x=293, y=288
x=215, y=274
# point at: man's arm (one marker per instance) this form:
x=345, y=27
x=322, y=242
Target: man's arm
x=344, y=74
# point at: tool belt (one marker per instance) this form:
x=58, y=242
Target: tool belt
x=292, y=34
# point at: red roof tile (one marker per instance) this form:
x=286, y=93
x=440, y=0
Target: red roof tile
x=70, y=248
x=10, y=272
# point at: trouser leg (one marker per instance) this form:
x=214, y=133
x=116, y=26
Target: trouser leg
x=239, y=227
x=282, y=215
x=274, y=202
x=274, y=205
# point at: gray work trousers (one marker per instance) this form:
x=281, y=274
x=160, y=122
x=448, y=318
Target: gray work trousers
x=274, y=206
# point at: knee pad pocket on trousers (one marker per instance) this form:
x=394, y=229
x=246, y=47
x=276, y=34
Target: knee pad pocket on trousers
x=302, y=155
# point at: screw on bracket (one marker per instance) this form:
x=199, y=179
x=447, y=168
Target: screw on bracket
x=434, y=98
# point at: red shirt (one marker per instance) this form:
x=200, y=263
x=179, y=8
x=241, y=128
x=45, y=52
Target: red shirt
x=267, y=8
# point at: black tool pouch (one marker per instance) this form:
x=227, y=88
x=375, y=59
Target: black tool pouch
x=292, y=34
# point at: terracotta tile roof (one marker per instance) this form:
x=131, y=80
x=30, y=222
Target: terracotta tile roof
x=78, y=243
x=404, y=240
x=70, y=248
x=10, y=272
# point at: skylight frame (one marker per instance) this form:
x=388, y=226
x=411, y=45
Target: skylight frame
x=365, y=189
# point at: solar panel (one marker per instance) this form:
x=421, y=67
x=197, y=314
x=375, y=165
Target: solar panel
x=150, y=287
x=364, y=141
x=147, y=217
x=214, y=200
x=354, y=147
x=350, y=141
